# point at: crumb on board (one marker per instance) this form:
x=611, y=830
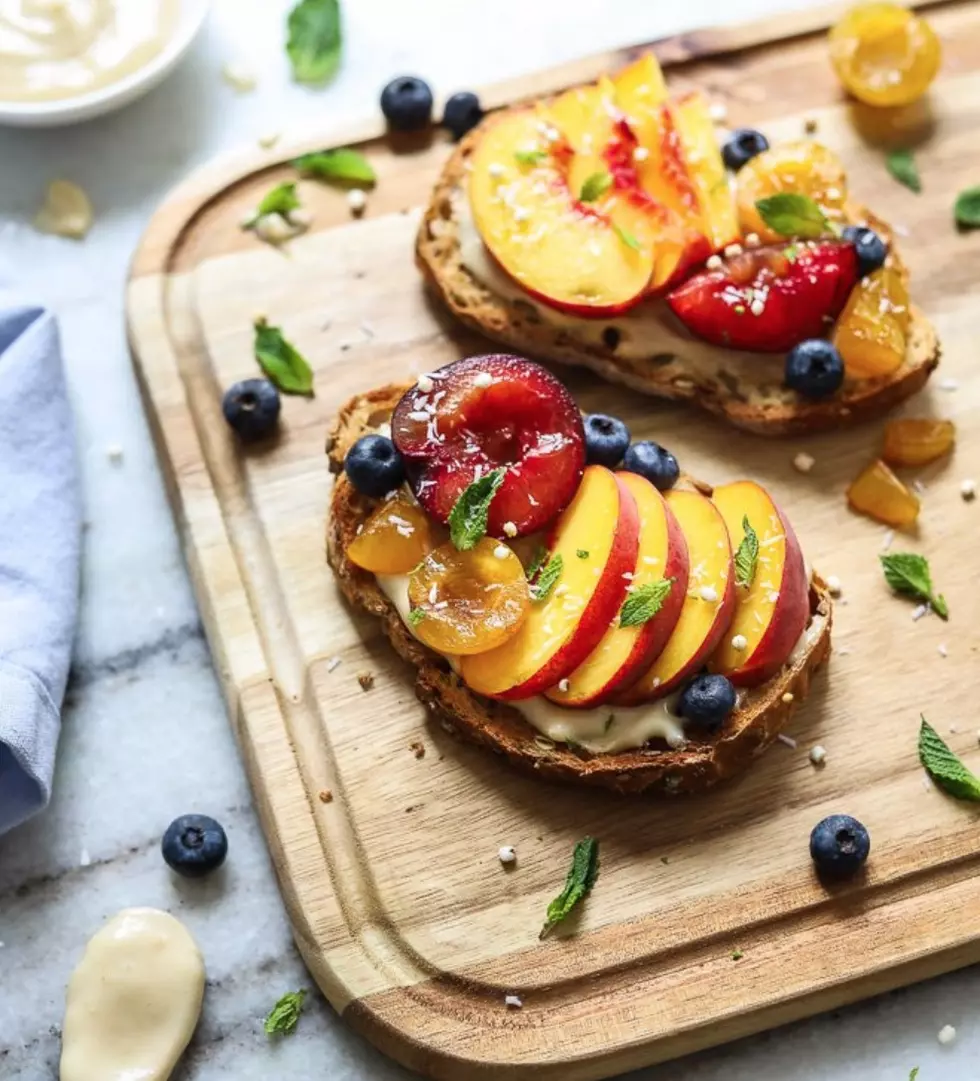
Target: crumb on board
x=366, y=680
x=333, y=663
x=513, y=1001
x=326, y=796
x=417, y=747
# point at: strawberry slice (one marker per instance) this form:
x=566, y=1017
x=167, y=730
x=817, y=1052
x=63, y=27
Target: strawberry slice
x=769, y=299
x=482, y=413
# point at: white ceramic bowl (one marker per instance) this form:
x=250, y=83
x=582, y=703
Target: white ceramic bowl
x=46, y=114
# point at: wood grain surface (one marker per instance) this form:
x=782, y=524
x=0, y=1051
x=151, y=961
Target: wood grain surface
x=388, y=861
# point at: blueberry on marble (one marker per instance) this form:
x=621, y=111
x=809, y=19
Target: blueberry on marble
x=814, y=368
x=462, y=113
x=839, y=846
x=251, y=407
x=407, y=103
x=606, y=439
x=744, y=145
x=194, y=845
x=654, y=462
x=707, y=700
x=374, y=466
x=870, y=249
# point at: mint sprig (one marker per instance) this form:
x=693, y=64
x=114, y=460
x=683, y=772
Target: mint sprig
x=967, y=208
x=281, y=200
x=314, y=40
x=284, y=1016
x=342, y=163
x=468, y=518
x=901, y=165
x=747, y=556
x=627, y=237
x=644, y=603
x=281, y=361
x=790, y=213
x=581, y=878
x=909, y=573
x=945, y=767
x=537, y=562
x=530, y=157
x=595, y=186
x=547, y=578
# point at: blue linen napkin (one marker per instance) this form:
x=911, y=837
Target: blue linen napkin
x=40, y=538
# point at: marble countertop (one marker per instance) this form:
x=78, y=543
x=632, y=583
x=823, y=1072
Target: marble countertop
x=145, y=734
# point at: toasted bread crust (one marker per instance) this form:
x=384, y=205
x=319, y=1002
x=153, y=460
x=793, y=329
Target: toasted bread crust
x=502, y=728
x=527, y=329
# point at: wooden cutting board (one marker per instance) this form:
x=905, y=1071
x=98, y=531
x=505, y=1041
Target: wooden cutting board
x=387, y=859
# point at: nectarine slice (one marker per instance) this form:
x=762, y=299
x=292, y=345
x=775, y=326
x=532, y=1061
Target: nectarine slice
x=708, y=606
x=699, y=144
x=624, y=653
x=772, y=611
x=560, y=250
x=562, y=629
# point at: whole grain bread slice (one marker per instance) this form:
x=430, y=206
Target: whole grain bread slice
x=655, y=768
x=746, y=389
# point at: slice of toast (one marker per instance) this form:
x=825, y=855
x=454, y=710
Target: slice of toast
x=700, y=764
x=745, y=388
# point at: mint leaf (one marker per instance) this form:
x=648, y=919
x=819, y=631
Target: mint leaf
x=314, y=40
x=737, y=955
x=644, y=603
x=791, y=214
x=914, y=1074
x=415, y=616
x=281, y=200
x=747, y=556
x=901, y=165
x=595, y=186
x=792, y=252
x=339, y=164
x=581, y=878
x=530, y=157
x=281, y=362
x=627, y=238
x=468, y=518
x=945, y=767
x=582, y=553
x=284, y=1016
x=547, y=579
x=967, y=208
x=537, y=562
x=908, y=573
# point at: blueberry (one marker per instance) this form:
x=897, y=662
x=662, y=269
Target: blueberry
x=606, y=439
x=374, y=466
x=194, y=845
x=839, y=846
x=814, y=368
x=655, y=463
x=407, y=103
x=251, y=407
x=706, y=702
x=744, y=145
x=870, y=248
x=462, y=113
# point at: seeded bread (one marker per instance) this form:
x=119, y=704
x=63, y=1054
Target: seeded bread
x=502, y=728
x=744, y=388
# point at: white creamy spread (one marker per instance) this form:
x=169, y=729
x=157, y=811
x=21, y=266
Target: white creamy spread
x=133, y=1001
x=54, y=49
x=591, y=729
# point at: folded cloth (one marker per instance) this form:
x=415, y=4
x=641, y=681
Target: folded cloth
x=40, y=536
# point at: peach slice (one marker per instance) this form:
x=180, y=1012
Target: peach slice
x=563, y=628
x=699, y=144
x=624, y=653
x=709, y=604
x=564, y=252
x=772, y=612
x=664, y=175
